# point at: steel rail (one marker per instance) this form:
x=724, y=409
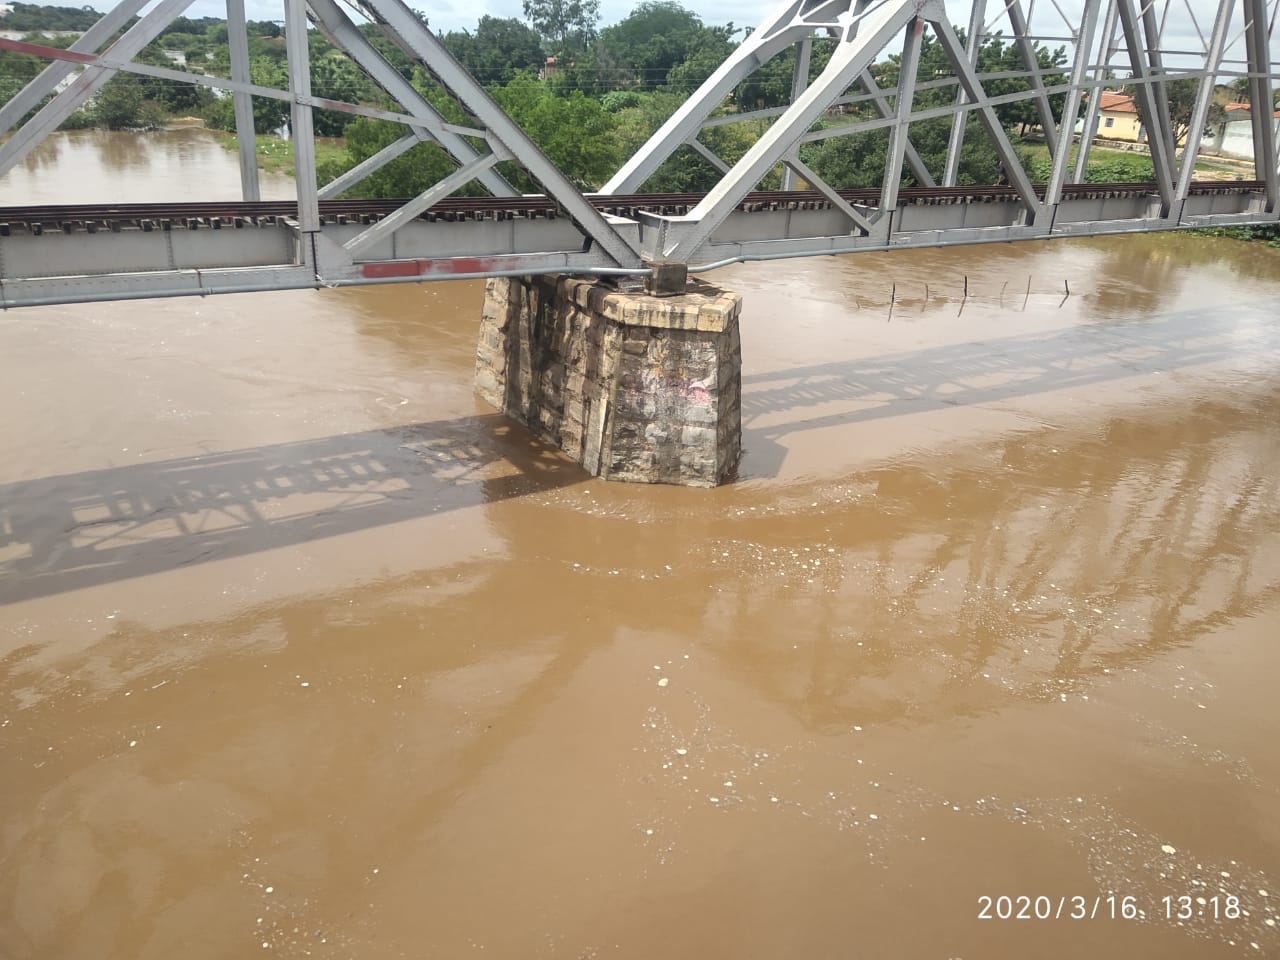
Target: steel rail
x=535, y=205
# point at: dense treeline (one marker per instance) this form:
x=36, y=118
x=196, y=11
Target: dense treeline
x=589, y=97
x=33, y=16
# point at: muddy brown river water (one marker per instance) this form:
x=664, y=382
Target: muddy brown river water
x=304, y=651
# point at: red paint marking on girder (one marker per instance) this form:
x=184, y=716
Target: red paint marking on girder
x=393, y=268
x=467, y=264
x=443, y=267
x=47, y=53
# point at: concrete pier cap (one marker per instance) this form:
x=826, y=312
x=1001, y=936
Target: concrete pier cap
x=637, y=386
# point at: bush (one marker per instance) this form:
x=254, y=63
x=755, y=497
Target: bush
x=151, y=116
x=1268, y=233
x=80, y=120
x=117, y=104
x=1121, y=170
x=1135, y=169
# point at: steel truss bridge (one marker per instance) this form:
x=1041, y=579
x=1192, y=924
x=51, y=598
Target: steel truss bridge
x=61, y=254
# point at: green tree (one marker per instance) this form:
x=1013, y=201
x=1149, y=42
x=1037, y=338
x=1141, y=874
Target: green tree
x=172, y=96
x=639, y=114
x=770, y=85
x=118, y=104
x=658, y=36
x=567, y=25
x=336, y=77
x=1181, y=94
x=996, y=56
x=575, y=131
x=406, y=176
x=36, y=16
x=16, y=71
x=269, y=114
x=498, y=50
x=704, y=60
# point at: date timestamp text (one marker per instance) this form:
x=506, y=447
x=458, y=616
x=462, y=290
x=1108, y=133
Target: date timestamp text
x=1109, y=907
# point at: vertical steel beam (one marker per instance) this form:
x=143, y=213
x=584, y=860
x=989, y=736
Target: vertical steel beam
x=93, y=79
x=1155, y=59
x=246, y=137
x=799, y=80
x=907, y=69
x=88, y=42
x=882, y=107
x=914, y=160
x=986, y=115
x=1066, y=137
x=1258, y=42
x=1160, y=158
x=1090, y=126
x=303, y=132
x=1204, y=97
x=973, y=43
x=1027, y=48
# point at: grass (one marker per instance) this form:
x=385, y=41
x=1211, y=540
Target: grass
x=275, y=154
x=1099, y=154
x=1039, y=151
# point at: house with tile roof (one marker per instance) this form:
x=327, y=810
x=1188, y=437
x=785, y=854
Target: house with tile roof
x=1118, y=118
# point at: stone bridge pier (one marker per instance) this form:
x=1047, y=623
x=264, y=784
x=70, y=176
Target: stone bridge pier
x=639, y=386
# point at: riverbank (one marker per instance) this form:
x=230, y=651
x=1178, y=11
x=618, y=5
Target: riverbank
x=275, y=154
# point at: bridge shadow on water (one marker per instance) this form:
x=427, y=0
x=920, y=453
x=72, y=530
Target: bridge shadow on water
x=79, y=530
x=843, y=392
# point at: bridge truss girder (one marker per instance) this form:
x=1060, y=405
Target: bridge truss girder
x=400, y=246
x=865, y=30
x=603, y=243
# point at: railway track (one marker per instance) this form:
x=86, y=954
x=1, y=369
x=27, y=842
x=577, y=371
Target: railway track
x=94, y=218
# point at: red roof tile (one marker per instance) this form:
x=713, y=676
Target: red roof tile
x=1243, y=108
x=1117, y=102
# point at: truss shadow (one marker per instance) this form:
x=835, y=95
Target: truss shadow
x=838, y=393
x=78, y=530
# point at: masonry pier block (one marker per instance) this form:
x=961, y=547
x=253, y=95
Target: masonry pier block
x=633, y=386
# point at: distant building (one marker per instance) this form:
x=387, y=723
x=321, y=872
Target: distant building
x=1233, y=137
x=1118, y=118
